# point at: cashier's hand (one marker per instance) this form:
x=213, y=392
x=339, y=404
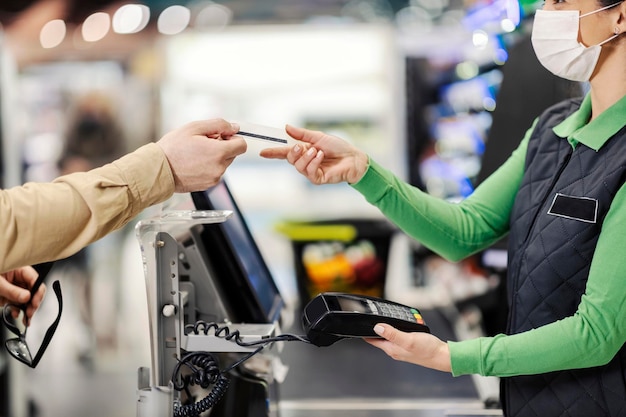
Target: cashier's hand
x=15, y=289
x=422, y=349
x=199, y=153
x=322, y=158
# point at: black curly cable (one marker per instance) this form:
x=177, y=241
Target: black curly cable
x=194, y=410
x=204, y=372
x=223, y=331
x=204, y=368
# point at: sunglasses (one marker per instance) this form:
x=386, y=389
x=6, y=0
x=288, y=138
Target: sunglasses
x=16, y=320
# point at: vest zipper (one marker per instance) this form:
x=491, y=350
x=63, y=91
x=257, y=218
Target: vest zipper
x=532, y=228
x=545, y=197
x=512, y=317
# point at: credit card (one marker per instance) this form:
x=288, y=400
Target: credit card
x=270, y=135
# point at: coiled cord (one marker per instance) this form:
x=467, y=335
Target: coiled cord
x=204, y=368
x=223, y=331
x=204, y=372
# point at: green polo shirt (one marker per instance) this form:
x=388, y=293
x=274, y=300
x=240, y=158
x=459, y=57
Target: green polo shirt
x=594, y=334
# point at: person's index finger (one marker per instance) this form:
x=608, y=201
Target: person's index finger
x=274, y=153
x=213, y=127
x=13, y=293
x=27, y=276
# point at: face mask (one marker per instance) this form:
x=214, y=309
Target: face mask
x=555, y=41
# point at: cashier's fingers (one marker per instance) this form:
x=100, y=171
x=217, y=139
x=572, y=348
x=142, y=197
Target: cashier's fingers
x=422, y=349
x=301, y=134
x=307, y=162
x=275, y=153
x=291, y=153
x=305, y=138
x=315, y=138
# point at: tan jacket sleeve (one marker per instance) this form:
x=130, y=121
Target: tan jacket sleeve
x=47, y=221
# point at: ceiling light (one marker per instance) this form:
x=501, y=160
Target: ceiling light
x=131, y=18
x=52, y=33
x=466, y=70
x=508, y=25
x=480, y=38
x=96, y=27
x=214, y=16
x=173, y=20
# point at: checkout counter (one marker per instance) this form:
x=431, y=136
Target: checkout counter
x=214, y=314
x=216, y=332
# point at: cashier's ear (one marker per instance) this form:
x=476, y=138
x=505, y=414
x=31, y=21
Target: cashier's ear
x=620, y=20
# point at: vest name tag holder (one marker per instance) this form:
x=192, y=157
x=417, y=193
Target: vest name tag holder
x=584, y=209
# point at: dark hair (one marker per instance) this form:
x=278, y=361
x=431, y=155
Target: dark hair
x=607, y=3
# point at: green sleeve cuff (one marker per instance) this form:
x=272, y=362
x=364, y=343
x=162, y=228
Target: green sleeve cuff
x=373, y=183
x=465, y=357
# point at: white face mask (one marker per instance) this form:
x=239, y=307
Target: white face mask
x=555, y=41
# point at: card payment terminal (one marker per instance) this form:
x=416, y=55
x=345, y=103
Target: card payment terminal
x=332, y=316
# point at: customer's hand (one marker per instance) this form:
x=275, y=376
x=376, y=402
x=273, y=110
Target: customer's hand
x=322, y=158
x=419, y=348
x=15, y=289
x=199, y=153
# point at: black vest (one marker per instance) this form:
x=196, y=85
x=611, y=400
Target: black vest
x=555, y=223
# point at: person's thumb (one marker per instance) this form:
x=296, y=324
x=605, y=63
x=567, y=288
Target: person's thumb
x=301, y=134
x=386, y=331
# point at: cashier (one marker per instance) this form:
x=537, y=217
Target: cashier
x=560, y=198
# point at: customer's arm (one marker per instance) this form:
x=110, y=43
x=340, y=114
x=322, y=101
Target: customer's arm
x=47, y=221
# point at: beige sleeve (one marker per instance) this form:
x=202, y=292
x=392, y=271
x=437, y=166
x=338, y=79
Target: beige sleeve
x=47, y=221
